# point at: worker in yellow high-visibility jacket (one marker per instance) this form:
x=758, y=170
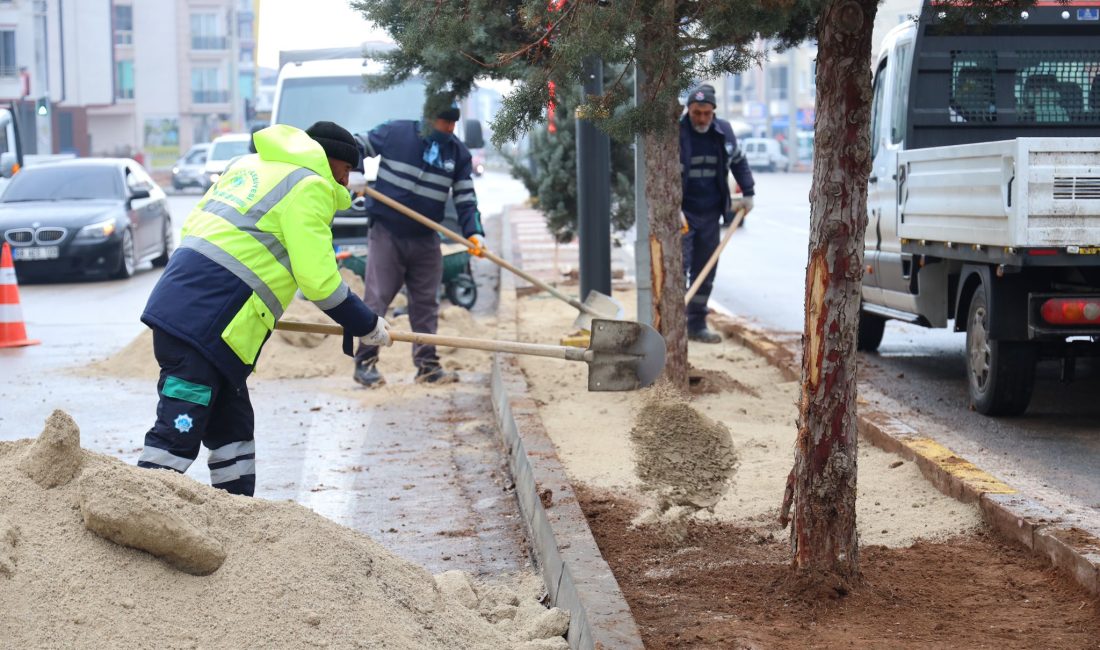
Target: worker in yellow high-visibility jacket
x=259, y=235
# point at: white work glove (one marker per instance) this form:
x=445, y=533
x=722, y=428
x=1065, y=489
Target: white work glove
x=746, y=204
x=380, y=335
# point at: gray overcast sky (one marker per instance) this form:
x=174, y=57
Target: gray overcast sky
x=305, y=24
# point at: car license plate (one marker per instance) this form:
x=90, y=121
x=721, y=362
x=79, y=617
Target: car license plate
x=352, y=249
x=37, y=253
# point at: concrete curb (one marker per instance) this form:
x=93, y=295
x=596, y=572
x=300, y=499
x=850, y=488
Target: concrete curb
x=1010, y=514
x=577, y=577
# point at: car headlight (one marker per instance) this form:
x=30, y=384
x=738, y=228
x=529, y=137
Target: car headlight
x=175, y=170
x=97, y=231
x=214, y=177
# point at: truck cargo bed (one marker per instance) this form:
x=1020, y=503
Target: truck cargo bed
x=1022, y=193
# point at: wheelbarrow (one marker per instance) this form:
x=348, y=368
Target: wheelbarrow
x=458, y=280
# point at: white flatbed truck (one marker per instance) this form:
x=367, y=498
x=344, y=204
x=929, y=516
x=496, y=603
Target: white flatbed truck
x=984, y=195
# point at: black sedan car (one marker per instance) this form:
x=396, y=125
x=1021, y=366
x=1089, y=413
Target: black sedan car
x=86, y=216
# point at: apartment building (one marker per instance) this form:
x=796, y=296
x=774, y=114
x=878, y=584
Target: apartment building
x=184, y=72
x=52, y=70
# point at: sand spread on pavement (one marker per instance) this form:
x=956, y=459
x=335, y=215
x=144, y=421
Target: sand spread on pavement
x=228, y=571
x=895, y=507
x=294, y=355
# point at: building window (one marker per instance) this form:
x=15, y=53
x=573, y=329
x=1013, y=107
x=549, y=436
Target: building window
x=777, y=82
x=124, y=24
x=206, y=86
x=206, y=32
x=736, y=90
x=8, y=68
x=124, y=79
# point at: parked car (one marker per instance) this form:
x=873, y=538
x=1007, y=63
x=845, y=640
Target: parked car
x=766, y=154
x=188, y=170
x=86, y=216
x=223, y=149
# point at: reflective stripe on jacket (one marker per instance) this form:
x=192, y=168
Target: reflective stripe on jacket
x=260, y=234
x=730, y=158
x=404, y=176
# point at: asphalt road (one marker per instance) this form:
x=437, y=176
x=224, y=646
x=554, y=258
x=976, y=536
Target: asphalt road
x=1052, y=452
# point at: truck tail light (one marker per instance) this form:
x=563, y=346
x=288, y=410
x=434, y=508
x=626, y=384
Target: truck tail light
x=1071, y=311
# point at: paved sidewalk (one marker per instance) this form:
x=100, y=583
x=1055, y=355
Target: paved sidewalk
x=538, y=254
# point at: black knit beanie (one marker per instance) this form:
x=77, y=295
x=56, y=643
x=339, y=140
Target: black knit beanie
x=336, y=141
x=450, y=113
x=703, y=94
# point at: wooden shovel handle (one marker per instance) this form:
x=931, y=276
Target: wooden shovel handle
x=447, y=232
x=713, y=258
x=532, y=349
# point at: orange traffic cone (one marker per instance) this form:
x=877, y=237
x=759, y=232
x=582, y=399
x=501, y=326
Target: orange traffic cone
x=12, y=332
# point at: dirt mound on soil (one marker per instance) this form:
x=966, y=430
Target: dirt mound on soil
x=685, y=458
x=278, y=574
x=703, y=381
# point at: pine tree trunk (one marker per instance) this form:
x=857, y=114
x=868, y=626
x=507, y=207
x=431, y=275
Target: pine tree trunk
x=821, y=488
x=660, y=63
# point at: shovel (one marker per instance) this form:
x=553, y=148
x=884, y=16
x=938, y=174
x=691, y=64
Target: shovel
x=595, y=305
x=713, y=258
x=621, y=356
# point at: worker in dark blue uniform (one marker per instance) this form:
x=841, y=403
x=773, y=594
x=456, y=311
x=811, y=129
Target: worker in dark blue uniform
x=420, y=166
x=708, y=151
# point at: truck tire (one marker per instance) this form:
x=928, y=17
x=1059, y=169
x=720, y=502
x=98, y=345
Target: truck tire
x=1000, y=374
x=870, y=330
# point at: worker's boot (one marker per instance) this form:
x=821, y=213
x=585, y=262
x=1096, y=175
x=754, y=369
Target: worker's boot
x=366, y=373
x=435, y=374
x=704, y=335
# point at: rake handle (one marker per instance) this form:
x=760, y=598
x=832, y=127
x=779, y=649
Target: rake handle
x=499, y=261
x=512, y=347
x=713, y=258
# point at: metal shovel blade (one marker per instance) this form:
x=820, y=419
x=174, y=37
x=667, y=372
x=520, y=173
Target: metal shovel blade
x=624, y=355
x=598, y=305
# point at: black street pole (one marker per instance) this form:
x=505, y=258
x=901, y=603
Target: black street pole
x=593, y=192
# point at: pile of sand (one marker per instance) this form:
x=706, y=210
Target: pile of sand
x=592, y=432
x=228, y=571
x=295, y=355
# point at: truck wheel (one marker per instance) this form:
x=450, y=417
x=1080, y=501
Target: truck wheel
x=1000, y=374
x=869, y=333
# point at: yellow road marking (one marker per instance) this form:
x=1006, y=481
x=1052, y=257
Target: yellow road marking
x=958, y=467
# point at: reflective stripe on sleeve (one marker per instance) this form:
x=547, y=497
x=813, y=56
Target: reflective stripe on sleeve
x=463, y=185
x=465, y=198
x=234, y=266
x=412, y=186
x=339, y=295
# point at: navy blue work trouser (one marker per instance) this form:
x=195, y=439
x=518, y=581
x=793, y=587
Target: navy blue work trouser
x=700, y=242
x=199, y=405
